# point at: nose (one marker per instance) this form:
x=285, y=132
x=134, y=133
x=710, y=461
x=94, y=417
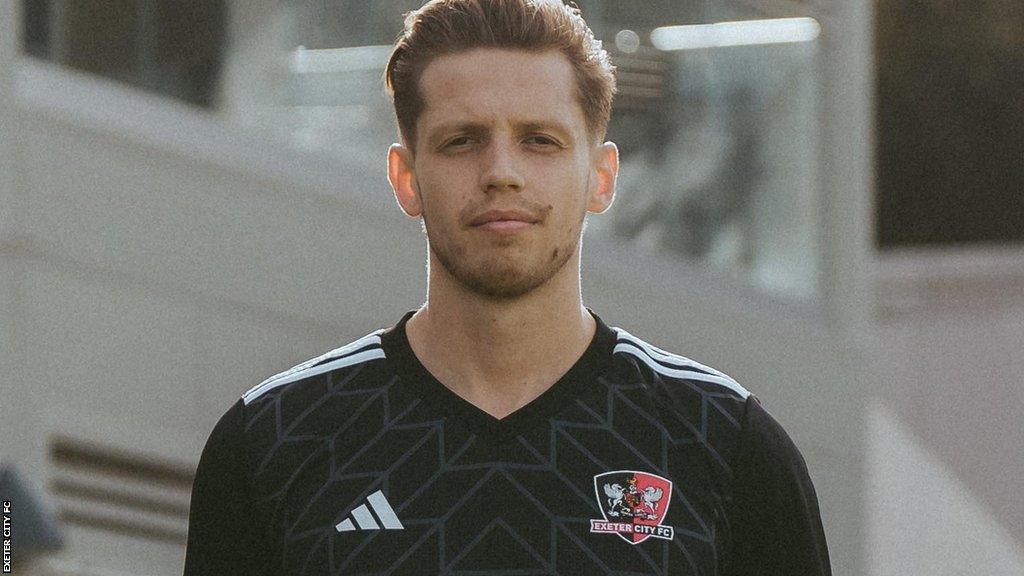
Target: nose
x=500, y=170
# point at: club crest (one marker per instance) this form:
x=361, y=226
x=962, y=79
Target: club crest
x=633, y=505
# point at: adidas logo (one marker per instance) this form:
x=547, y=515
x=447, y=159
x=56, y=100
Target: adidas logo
x=365, y=520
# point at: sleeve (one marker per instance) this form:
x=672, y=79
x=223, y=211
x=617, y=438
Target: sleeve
x=776, y=524
x=222, y=530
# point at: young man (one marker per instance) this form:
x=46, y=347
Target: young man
x=503, y=427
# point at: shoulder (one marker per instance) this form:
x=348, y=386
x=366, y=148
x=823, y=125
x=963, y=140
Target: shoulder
x=356, y=352
x=690, y=399
x=768, y=448
x=674, y=367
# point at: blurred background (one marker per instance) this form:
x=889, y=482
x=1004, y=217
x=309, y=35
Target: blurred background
x=823, y=199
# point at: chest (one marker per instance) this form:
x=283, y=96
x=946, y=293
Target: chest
x=426, y=496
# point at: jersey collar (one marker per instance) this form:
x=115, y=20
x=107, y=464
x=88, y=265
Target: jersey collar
x=576, y=382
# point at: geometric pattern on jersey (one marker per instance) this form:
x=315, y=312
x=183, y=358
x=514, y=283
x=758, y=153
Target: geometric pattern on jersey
x=475, y=495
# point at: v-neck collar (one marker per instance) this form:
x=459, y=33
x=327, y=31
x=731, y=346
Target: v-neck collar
x=572, y=385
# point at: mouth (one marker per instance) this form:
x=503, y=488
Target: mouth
x=504, y=225
x=504, y=221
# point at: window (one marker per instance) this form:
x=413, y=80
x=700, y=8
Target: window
x=173, y=48
x=717, y=125
x=950, y=120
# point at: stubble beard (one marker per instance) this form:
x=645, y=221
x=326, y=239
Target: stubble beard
x=498, y=278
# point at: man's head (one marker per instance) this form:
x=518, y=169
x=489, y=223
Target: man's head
x=499, y=133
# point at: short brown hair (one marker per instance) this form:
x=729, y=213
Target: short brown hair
x=448, y=26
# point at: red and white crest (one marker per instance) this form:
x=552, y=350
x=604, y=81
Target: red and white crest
x=633, y=504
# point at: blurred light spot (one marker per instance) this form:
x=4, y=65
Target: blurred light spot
x=627, y=41
x=305, y=61
x=741, y=33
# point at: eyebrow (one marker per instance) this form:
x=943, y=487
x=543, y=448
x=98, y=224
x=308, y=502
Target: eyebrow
x=481, y=128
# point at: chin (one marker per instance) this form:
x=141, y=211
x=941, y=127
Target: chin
x=500, y=275
x=505, y=284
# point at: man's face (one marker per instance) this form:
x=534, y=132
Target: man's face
x=504, y=171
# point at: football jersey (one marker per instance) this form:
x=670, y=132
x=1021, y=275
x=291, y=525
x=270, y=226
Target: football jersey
x=636, y=461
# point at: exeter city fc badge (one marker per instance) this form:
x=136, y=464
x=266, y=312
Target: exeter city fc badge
x=633, y=505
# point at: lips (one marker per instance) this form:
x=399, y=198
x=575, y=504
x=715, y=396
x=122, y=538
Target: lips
x=504, y=215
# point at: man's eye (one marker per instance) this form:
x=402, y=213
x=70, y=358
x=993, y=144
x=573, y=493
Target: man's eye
x=542, y=141
x=460, y=141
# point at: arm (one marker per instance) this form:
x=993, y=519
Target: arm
x=775, y=518
x=222, y=530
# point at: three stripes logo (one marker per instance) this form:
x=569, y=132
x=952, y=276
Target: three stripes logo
x=364, y=519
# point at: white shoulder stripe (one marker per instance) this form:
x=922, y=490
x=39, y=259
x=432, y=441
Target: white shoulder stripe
x=363, y=356
x=668, y=357
x=298, y=371
x=684, y=374
x=716, y=378
x=370, y=339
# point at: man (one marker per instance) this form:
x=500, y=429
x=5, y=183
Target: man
x=503, y=427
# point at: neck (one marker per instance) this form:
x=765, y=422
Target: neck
x=501, y=354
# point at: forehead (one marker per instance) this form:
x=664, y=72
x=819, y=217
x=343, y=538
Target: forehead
x=491, y=85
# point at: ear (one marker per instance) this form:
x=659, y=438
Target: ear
x=402, y=175
x=606, y=165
